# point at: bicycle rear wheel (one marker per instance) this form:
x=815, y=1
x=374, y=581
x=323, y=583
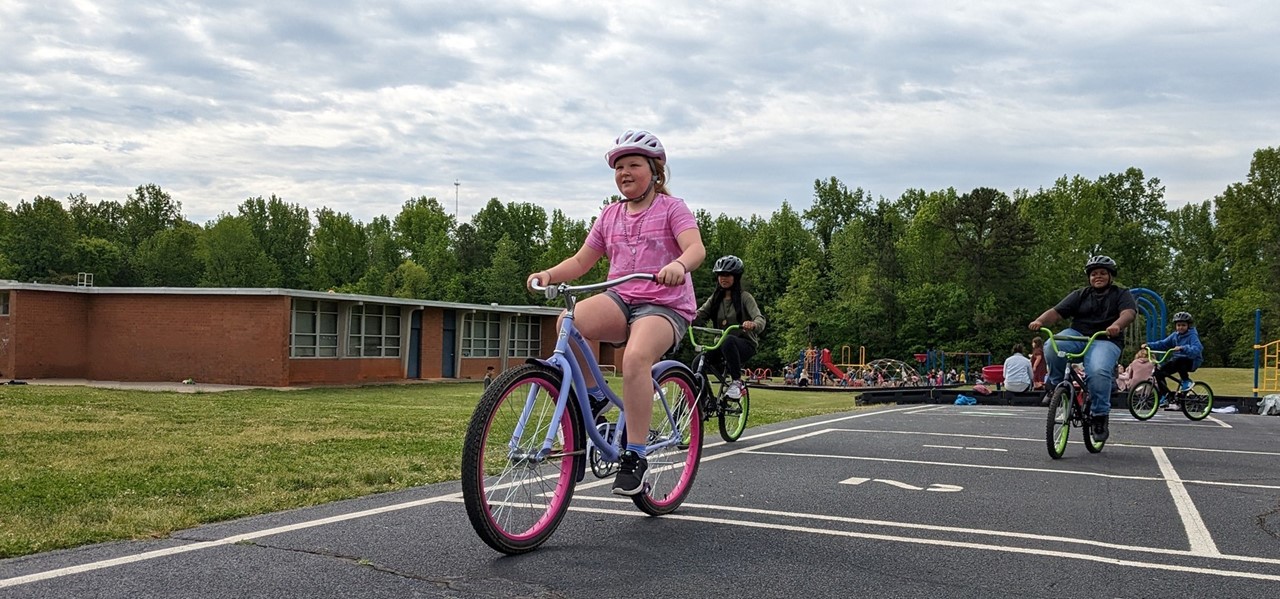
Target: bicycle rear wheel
x=1197, y=402
x=673, y=467
x=515, y=493
x=1058, y=426
x=1144, y=401
x=733, y=416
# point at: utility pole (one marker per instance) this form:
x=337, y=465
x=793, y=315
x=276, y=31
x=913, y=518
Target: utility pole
x=456, y=185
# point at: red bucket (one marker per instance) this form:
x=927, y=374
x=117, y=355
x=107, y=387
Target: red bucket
x=994, y=373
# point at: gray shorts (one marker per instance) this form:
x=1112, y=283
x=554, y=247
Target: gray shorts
x=678, y=323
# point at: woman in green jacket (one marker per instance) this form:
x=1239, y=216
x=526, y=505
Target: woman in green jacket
x=730, y=305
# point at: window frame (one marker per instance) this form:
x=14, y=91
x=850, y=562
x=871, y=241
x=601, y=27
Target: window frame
x=387, y=342
x=321, y=313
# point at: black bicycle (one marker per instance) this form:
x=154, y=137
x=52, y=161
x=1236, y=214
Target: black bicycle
x=1195, y=400
x=731, y=412
x=1069, y=401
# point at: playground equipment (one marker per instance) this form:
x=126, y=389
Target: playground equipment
x=846, y=357
x=818, y=366
x=1266, y=359
x=1153, y=311
x=936, y=359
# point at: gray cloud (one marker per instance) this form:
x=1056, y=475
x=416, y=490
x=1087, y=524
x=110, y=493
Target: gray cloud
x=361, y=106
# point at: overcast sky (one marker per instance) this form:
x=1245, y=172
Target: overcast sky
x=359, y=106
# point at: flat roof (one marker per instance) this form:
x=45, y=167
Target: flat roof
x=8, y=285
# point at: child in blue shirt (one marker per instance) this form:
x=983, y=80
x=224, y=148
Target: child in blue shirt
x=1188, y=352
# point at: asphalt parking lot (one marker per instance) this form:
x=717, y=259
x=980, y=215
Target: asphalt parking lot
x=906, y=501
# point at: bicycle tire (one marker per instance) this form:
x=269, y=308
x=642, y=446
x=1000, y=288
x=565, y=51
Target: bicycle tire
x=1197, y=403
x=1144, y=400
x=514, y=502
x=672, y=469
x=1058, y=426
x=733, y=417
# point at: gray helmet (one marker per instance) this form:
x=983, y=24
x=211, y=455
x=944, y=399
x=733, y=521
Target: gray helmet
x=728, y=265
x=1097, y=262
x=1182, y=317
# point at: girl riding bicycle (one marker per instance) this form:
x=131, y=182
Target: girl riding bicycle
x=727, y=306
x=647, y=231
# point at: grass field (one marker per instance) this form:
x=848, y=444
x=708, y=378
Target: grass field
x=82, y=465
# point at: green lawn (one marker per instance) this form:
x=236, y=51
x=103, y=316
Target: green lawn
x=83, y=465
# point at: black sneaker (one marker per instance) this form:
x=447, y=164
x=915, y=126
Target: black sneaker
x=631, y=469
x=598, y=406
x=1100, y=432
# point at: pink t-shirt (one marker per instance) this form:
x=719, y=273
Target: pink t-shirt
x=646, y=242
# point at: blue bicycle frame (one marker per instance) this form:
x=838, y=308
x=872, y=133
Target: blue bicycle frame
x=570, y=342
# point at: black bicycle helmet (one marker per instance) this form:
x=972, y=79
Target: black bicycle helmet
x=1182, y=317
x=1097, y=262
x=728, y=265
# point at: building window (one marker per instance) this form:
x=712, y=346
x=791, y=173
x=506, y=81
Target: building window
x=314, y=331
x=4, y=303
x=525, y=340
x=481, y=335
x=374, y=332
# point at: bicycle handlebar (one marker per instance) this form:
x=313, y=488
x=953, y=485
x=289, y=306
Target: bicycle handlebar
x=724, y=334
x=553, y=291
x=1054, y=339
x=1164, y=354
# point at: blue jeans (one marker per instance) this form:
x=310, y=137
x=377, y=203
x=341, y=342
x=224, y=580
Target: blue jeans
x=1099, y=368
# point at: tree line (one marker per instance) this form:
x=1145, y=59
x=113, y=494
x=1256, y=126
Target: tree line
x=927, y=270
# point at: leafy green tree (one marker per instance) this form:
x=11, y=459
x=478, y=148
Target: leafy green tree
x=40, y=238
x=384, y=257
x=798, y=313
x=525, y=224
x=409, y=280
x=105, y=259
x=171, y=258
x=283, y=230
x=1196, y=277
x=503, y=280
x=233, y=257
x=424, y=231
x=103, y=220
x=833, y=206
x=866, y=254
x=147, y=211
x=1248, y=219
x=339, y=251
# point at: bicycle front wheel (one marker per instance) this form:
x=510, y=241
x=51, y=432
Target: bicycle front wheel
x=733, y=417
x=1144, y=400
x=1058, y=426
x=1198, y=401
x=516, y=493
x=672, y=467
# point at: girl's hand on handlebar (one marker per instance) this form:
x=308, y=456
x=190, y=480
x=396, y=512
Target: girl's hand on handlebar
x=1035, y=326
x=543, y=277
x=748, y=325
x=1113, y=331
x=671, y=275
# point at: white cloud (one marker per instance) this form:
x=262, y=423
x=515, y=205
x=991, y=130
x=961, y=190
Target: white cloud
x=360, y=106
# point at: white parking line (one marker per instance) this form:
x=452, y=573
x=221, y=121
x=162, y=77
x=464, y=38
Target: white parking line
x=140, y=557
x=1197, y=532
x=1127, y=561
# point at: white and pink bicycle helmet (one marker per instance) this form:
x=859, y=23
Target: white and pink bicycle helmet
x=634, y=141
